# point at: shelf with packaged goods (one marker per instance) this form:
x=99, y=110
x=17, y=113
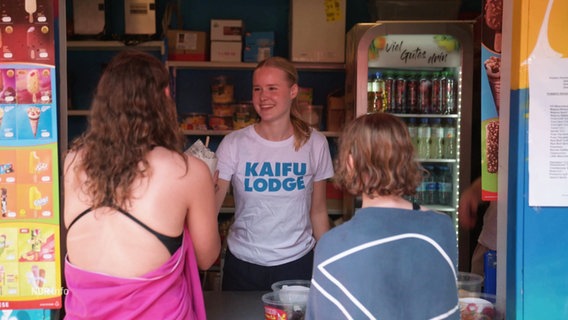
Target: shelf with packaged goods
x=115, y=45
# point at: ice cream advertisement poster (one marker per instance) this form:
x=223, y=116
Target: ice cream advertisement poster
x=29, y=266
x=27, y=31
x=29, y=184
x=432, y=50
x=29, y=228
x=490, y=95
x=31, y=113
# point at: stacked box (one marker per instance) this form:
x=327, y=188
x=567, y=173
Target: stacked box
x=187, y=45
x=226, y=40
x=258, y=46
x=317, y=31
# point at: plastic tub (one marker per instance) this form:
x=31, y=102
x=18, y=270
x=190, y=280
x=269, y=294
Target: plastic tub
x=469, y=282
x=285, y=304
x=478, y=306
x=291, y=284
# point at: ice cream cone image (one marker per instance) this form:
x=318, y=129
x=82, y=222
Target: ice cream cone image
x=33, y=117
x=493, y=70
x=1, y=116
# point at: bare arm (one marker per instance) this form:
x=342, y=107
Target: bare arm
x=221, y=189
x=318, y=212
x=468, y=204
x=202, y=215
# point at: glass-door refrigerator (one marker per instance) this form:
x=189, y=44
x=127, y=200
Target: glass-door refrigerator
x=30, y=273
x=421, y=72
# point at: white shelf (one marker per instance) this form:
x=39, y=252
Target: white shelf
x=114, y=45
x=79, y=113
x=212, y=65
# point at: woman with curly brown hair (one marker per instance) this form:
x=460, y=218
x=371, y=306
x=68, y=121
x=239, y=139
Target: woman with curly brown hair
x=140, y=213
x=393, y=259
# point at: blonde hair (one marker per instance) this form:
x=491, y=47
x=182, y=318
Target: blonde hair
x=302, y=130
x=376, y=157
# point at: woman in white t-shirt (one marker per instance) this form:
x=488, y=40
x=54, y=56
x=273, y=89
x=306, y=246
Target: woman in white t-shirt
x=278, y=169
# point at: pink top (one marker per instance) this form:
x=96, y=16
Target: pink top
x=173, y=291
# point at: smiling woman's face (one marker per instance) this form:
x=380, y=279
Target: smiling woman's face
x=272, y=94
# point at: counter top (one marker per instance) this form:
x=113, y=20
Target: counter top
x=234, y=305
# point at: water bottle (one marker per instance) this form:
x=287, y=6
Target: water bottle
x=413, y=132
x=445, y=185
x=436, y=139
x=449, y=139
x=424, y=133
x=430, y=186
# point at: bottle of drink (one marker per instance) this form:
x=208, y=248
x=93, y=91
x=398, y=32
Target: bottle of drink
x=413, y=132
x=412, y=93
x=444, y=185
x=379, y=86
x=371, y=94
x=450, y=94
x=390, y=91
x=436, y=97
x=424, y=133
x=431, y=185
x=436, y=139
x=449, y=139
x=420, y=190
x=400, y=93
x=425, y=93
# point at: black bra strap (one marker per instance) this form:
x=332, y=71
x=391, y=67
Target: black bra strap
x=79, y=217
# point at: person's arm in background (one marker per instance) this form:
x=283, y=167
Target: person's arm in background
x=318, y=212
x=469, y=203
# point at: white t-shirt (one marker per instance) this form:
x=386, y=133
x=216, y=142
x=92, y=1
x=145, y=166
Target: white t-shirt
x=272, y=185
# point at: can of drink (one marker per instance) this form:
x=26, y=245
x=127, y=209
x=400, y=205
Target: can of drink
x=412, y=93
x=424, y=94
x=436, y=94
x=400, y=93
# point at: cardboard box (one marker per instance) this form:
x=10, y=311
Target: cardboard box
x=256, y=53
x=226, y=30
x=187, y=45
x=139, y=17
x=317, y=31
x=227, y=51
x=259, y=39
